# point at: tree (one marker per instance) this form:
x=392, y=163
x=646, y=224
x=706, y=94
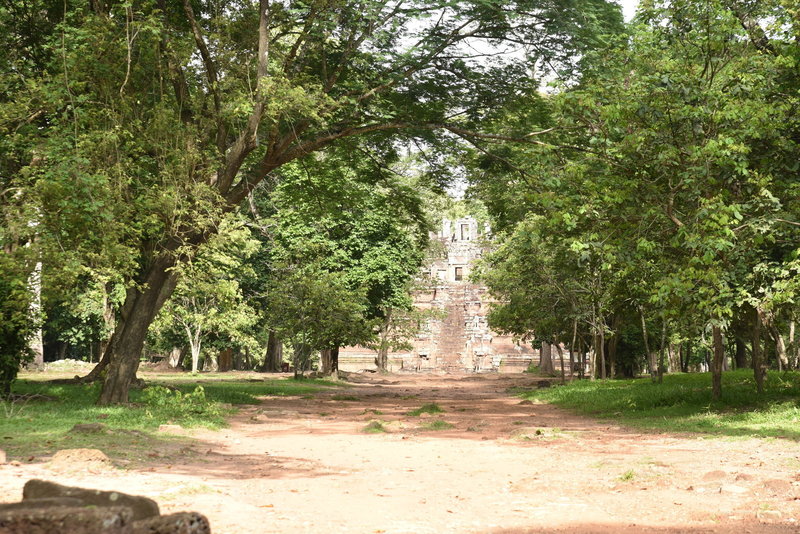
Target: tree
x=359, y=220
x=208, y=298
x=313, y=306
x=156, y=118
x=16, y=323
x=664, y=171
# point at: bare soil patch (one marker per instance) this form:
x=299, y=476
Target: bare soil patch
x=498, y=465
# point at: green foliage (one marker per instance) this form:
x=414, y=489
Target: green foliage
x=683, y=403
x=429, y=408
x=375, y=427
x=17, y=324
x=128, y=130
x=208, y=304
x=349, y=398
x=188, y=406
x=658, y=186
x=436, y=424
x=346, y=240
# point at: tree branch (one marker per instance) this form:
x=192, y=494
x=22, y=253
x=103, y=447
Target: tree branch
x=211, y=74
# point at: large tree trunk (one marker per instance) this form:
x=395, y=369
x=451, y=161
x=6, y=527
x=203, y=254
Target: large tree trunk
x=561, y=360
x=210, y=363
x=301, y=356
x=274, y=356
x=127, y=306
x=662, y=348
x=616, y=323
x=651, y=358
x=325, y=361
x=194, y=347
x=602, y=352
x=758, y=364
x=572, y=349
x=225, y=360
x=741, y=354
x=674, y=358
x=382, y=359
x=36, y=343
x=126, y=344
x=780, y=348
x=686, y=356
x=174, y=357
x=335, y=362
x=330, y=362
x=716, y=364
x=546, y=359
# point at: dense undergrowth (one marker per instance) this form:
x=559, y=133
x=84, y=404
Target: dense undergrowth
x=682, y=403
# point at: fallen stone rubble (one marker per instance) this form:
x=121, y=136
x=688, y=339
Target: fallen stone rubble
x=50, y=508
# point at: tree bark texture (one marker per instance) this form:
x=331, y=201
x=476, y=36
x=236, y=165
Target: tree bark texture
x=274, y=356
x=139, y=310
x=716, y=364
x=325, y=360
x=302, y=356
x=335, y=361
x=546, y=359
x=780, y=348
x=382, y=359
x=651, y=358
x=613, y=342
x=561, y=360
x=572, y=348
x=740, y=358
x=674, y=358
x=174, y=357
x=225, y=360
x=602, y=351
x=758, y=364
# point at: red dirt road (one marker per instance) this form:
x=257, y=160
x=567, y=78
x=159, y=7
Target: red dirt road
x=304, y=465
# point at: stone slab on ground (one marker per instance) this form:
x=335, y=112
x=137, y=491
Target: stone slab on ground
x=180, y=523
x=141, y=507
x=67, y=520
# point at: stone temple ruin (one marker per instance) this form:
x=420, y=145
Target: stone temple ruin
x=459, y=338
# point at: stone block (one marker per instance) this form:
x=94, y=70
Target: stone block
x=40, y=503
x=141, y=507
x=67, y=520
x=180, y=523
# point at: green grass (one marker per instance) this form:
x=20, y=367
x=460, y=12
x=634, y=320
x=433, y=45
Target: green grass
x=232, y=391
x=683, y=403
x=437, y=424
x=375, y=427
x=431, y=408
x=37, y=422
x=346, y=398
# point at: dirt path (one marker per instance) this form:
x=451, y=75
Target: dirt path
x=304, y=464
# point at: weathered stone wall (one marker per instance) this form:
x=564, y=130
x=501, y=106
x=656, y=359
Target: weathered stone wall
x=460, y=341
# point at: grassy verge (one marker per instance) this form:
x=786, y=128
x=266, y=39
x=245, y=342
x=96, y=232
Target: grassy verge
x=683, y=403
x=220, y=388
x=38, y=420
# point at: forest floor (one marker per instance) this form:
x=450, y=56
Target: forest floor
x=306, y=465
